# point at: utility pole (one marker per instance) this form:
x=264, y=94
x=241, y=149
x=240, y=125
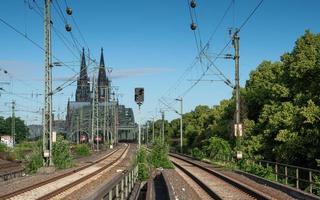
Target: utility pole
x=105, y=115
x=238, y=125
x=162, y=135
x=13, y=123
x=93, y=110
x=153, y=130
x=97, y=125
x=116, y=121
x=147, y=133
x=81, y=121
x=78, y=129
x=181, y=123
x=47, y=122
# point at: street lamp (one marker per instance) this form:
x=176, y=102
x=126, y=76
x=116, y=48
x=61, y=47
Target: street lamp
x=181, y=114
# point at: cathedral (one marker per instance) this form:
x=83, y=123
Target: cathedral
x=111, y=121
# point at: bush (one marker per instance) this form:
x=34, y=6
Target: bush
x=197, y=153
x=82, y=150
x=3, y=147
x=34, y=161
x=217, y=148
x=159, y=155
x=61, y=154
x=259, y=170
x=141, y=160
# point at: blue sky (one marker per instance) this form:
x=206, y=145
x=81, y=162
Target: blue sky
x=148, y=44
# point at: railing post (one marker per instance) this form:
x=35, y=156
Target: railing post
x=276, y=169
x=122, y=190
x=126, y=186
x=130, y=181
x=117, y=191
x=110, y=194
x=310, y=181
x=286, y=174
x=297, y=178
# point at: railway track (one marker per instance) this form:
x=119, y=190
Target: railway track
x=10, y=170
x=215, y=184
x=55, y=186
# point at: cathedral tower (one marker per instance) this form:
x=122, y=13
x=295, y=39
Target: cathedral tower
x=83, y=86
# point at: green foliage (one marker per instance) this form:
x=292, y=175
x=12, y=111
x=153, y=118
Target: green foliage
x=3, y=147
x=82, y=150
x=316, y=187
x=280, y=106
x=141, y=160
x=159, y=155
x=197, y=153
x=21, y=130
x=34, y=161
x=217, y=148
x=61, y=154
x=259, y=170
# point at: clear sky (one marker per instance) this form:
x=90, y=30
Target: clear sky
x=148, y=43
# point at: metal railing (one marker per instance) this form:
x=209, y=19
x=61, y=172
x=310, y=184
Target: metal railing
x=294, y=176
x=119, y=187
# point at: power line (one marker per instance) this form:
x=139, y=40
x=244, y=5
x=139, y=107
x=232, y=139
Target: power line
x=32, y=41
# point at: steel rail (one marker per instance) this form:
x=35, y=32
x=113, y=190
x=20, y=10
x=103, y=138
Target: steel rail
x=31, y=187
x=242, y=187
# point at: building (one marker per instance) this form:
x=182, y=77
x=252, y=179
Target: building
x=35, y=131
x=110, y=118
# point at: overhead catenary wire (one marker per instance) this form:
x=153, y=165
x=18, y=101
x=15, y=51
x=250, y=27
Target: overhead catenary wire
x=227, y=81
x=201, y=51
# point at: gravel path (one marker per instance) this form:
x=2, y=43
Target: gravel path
x=22, y=182
x=182, y=189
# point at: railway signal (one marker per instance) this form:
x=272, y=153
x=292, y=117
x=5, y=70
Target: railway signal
x=139, y=98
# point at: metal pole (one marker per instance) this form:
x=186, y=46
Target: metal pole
x=237, y=81
x=105, y=115
x=139, y=127
x=92, y=116
x=81, y=120
x=97, y=121
x=181, y=125
x=153, y=130
x=78, y=124
x=47, y=128
x=162, y=126
x=147, y=133
x=13, y=123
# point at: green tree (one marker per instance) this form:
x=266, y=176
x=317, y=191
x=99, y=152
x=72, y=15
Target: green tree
x=21, y=130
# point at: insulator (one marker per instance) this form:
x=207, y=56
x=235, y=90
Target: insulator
x=68, y=27
x=193, y=26
x=69, y=11
x=193, y=4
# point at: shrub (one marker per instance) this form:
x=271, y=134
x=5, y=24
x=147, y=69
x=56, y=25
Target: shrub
x=141, y=160
x=254, y=168
x=34, y=161
x=197, y=153
x=3, y=147
x=82, y=150
x=159, y=155
x=61, y=154
x=217, y=148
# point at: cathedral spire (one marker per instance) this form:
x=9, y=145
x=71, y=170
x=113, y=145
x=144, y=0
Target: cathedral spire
x=102, y=78
x=83, y=87
x=101, y=58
